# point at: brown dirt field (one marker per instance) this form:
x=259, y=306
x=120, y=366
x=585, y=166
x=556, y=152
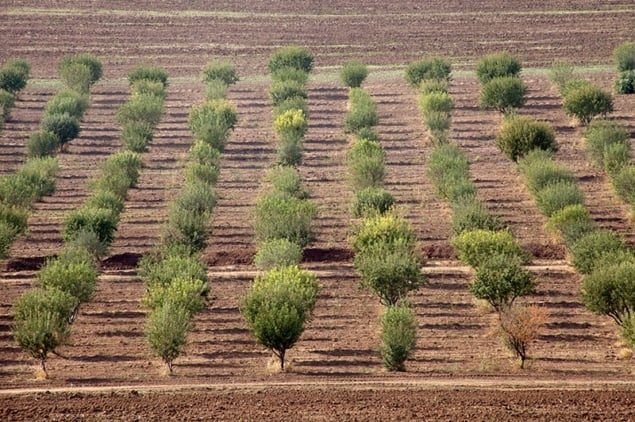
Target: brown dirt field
x=459, y=370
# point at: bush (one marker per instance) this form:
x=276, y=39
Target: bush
x=290, y=74
x=289, y=152
x=65, y=126
x=385, y=230
x=291, y=125
x=187, y=229
x=124, y=163
x=68, y=101
x=434, y=85
x=219, y=71
x=504, y=94
x=116, y=183
x=368, y=133
x=282, y=217
x=438, y=123
x=497, y=65
x=89, y=241
x=14, y=75
x=277, y=253
x=371, y=201
x=624, y=184
x=42, y=144
x=398, y=336
x=362, y=112
x=212, y=121
x=519, y=135
x=500, y=279
x=519, y=326
x=287, y=180
x=106, y=200
x=475, y=247
x=195, y=199
x=215, y=90
x=291, y=56
x=278, y=305
x=540, y=170
x=33, y=180
x=610, y=290
x=573, y=84
x=7, y=236
x=41, y=322
x=76, y=76
x=86, y=59
x=291, y=103
x=166, y=331
x=556, y=196
x=389, y=269
x=353, y=74
x=616, y=157
x=148, y=87
x=186, y=293
x=205, y=154
x=570, y=223
x=427, y=69
x=594, y=246
x=624, y=56
x=435, y=102
x=601, y=134
x=587, y=102
x=366, y=160
x=7, y=101
x=625, y=82
x=136, y=135
x=561, y=72
x=283, y=90
x=151, y=73
x=142, y=108
x=161, y=267
x=101, y=221
x=16, y=218
x=196, y=173
x=78, y=278
x=470, y=214
x=448, y=169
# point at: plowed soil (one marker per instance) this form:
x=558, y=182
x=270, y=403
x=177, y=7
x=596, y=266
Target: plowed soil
x=459, y=370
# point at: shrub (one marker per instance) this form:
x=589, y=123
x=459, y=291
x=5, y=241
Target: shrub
x=556, y=196
x=497, y=65
x=570, y=223
x=624, y=184
x=116, y=183
x=368, y=133
x=366, y=160
x=277, y=306
x=625, y=82
x=89, y=241
x=91, y=62
x=540, y=170
x=196, y=173
x=283, y=90
x=204, y=153
x=601, y=134
x=219, y=71
x=610, y=290
x=519, y=326
x=500, y=279
x=438, y=122
x=283, y=217
x=436, y=101
x=362, y=112
x=212, y=121
x=616, y=157
x=385, y=230
x=470, y=214
x=427, y=69
x=33, y=180
x=68, y=101
x=161, y=267
x=594, y=246
x=7, y=101
x=434, y=85
x=573, y=84
x=42, y=144
x=277, y=253
x=289, y=152
x=503, y=94
x=142, y=108
x=186, y=293
x=291, y=124
x=474, y=247
x=389, y=269
x=136, y=135
x=215, y=90
x=561, y=72
x=291, y=56
x=195, y=199
x=101, y=221
x=79, y=279
x=7, y=236
x=16, y=218
x=14, y=75
x=148, y=87
x=371, y=201
x=587, y=102
x=290, y=74
x=151, y=73
x=519, y=135
x=398, y=336
x=41, y=322
x=287, y=180
x=291, y=103
x=166, y=331
x=105, y=199
x=624, y=56
x=204, y=164
x=448, y=169
x=353, y=74
x=126, y=163
x=65, y=126
x=76, y=76
x=187, y=229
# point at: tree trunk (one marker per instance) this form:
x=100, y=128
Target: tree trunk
x=282, y=360
x=43, y=366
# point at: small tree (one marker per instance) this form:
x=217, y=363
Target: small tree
x=281, y=91
x=86, y=59
x=219, y=71
x=593, y=246
x=278, y=305
x=42, y=144
x=398, y=336
x=520, y=325
x=212, y=122
x=561, y=72
x=504, y=94
x=186, y=293
x=519, y=135
x=166, y=331
x=291, y=56
x=7, y=101
x=280, y=216
x=366, y=162
x=145, y=108
x=497, y=65
x=65, y=126
x=277, y=253
x=353, y=74
x=152, y=73
x=291, y=124
x=600, y=134
x=14, y=75
x=474, y=247
x=73, y=275
x=624, y=56
x=427, y=69
x=76, y=76
x=370, y=201
x=586, y=102
x=610, y=290
x=101, y=221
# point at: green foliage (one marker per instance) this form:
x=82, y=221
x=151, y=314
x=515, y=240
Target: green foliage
x=287, y=180
x=289, y=151
x=427, y=69
x=78, y=278
x=166, y=331
x=14, y=75
x=290, y=74
x=187, y=229
x=470, y=214
x=279, y=216
x=474, y=247
x=284, y=90
x=384, y=230
x=186, y=293
x=291, y=103
x=7, y=101
x=616, y=157
x=65, y=126
x=368, y=133
x=142, y=108
x=600, y=134
x=76, y=76
x=448, y=169
x=570, y=223
x=291, y=56
x=540, y=170
x=151, y=73
x=436, y=101
x=362, y=112
x=561, y=72
x=148, y=87
x=126, y=163
x=593, y=247
x=277, y=253
x=7, y=236
x=610, y=290
x=161, y=267
x=519, y=135
x=217, y=70
x=398, y=336
x=14, y=217
x=68, y=101
x=101, y=221
x=504, y=94
x=353, y=74
x=371, y=201
x=34, y=179
x=42, y=143
x=85, y=59
x=366, y=161
x=500, y=279
x=291, y=124
x=624, y=56
x=215, y=90
x=195, y=199
x=624, y=184
x=434, y=85
x=586, y=102
x=573, y=84
x=212, y=122
x=196, y=173
x=555, y=196
x=497, y=65
x=136, y=135
x=105, y=199
x=625, y=82
x=277, y=306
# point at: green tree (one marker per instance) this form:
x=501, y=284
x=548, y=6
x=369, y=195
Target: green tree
x=216, y=70
x=398, y=336
x=497, y=65
x=291, y=56
x=353, y=74
x=166, y=331
x=519, y=135
x=504, y=94
x=586, y=102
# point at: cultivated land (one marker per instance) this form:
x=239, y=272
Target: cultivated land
x=459, y=370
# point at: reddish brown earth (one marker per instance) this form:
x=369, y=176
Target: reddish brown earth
x=336, y=373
